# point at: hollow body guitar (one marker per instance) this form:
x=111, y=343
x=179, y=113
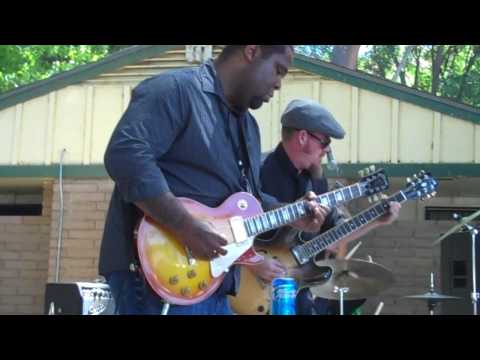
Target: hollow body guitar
x=254, y=294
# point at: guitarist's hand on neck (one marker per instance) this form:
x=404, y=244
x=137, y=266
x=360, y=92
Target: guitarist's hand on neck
x=318, y=214
x=387, y=219
x=392, y=215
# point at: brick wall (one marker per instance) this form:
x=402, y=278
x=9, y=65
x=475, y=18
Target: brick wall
x=24, y=259
x=85, y=206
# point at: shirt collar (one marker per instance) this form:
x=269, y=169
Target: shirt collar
x=212, y=84
x=286, y=163
x=208, y=77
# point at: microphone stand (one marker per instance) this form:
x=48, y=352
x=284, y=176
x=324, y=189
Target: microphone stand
x=473, y=233
x=332, y=163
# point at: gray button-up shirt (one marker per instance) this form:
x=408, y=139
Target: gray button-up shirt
x=179, y=135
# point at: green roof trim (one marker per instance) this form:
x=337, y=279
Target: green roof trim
x=52, y=171
x=389, y=88
x=346, y=170
x=81, y=73
x=404, y=170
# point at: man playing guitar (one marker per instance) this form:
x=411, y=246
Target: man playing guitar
x=188, y=133
x=293, y=168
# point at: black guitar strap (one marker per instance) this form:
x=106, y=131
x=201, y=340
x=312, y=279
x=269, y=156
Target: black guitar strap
x=240, y=150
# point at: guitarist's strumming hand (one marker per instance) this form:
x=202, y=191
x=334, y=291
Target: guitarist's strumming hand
x=199, y=237
x=203, y=241
x=315, y=220
x=268, y=269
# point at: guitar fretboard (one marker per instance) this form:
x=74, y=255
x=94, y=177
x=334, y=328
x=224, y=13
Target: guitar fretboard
x=288, y=214
x=307, y=251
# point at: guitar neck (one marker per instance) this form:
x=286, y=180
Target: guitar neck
x=288, y=214
x=303, y=253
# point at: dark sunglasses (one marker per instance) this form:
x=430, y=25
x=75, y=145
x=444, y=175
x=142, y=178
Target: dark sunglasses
x=323, y=143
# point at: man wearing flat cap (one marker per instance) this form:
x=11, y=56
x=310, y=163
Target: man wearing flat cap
x=294, y=168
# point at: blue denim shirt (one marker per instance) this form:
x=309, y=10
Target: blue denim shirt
x=178, y=134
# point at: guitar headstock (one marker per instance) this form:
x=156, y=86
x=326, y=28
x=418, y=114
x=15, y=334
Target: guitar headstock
x=373, y=182
x=421, y=186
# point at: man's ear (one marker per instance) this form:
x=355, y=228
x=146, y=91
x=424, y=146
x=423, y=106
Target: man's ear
x=250, y=51
x=302, y=137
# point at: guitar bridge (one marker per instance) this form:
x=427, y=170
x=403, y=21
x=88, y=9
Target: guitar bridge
x=238, y=229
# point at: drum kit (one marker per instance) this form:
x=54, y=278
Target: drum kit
x=355, y=279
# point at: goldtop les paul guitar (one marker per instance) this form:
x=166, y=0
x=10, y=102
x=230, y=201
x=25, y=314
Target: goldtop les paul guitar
x=254, y=294
x=181, y=279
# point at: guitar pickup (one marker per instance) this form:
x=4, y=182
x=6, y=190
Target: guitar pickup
x=238, y=229
x=299, y=255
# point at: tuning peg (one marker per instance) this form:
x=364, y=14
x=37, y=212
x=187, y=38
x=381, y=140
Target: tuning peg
x=434, y=193
x=422, y=173
x=370, y=200
x=409, y=180
x=361, y=173
x=376, y=198
x=372, y=168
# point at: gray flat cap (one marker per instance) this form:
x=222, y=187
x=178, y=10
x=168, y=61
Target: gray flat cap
x=309, y=115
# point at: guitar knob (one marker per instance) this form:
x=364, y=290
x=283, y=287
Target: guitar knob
x=173, y=280
x=186, y=291
x=191, y=274
x=202, y=285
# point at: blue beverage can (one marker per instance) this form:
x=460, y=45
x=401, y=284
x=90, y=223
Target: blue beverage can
x=284, y=291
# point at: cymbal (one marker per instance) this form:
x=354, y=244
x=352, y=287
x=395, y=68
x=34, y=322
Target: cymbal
x=457, y=227
x=362, y=278
x=432, y=296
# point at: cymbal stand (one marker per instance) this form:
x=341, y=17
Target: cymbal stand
x=165, y=308
x=342, y=291
x=431, y=304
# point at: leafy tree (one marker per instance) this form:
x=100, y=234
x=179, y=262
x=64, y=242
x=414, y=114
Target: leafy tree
x=23, y=64
x=451, y=71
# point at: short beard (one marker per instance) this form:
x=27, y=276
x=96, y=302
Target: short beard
x=316, y=171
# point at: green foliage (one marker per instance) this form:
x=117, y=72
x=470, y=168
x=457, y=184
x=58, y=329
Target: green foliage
x=458, y=78
x=321, y=52
x=24, y=64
